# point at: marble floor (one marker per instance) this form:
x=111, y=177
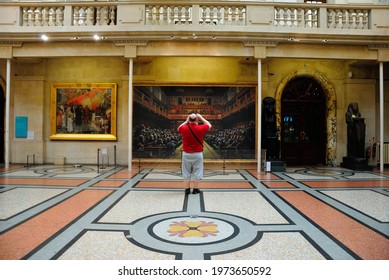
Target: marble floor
x=81, y=213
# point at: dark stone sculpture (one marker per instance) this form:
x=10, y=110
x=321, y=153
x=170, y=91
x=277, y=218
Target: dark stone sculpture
x=356, y=130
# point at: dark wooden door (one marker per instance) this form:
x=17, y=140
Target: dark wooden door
x=303, y=138
x=303, y=126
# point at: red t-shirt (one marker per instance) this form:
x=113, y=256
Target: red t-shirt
x=190, y=144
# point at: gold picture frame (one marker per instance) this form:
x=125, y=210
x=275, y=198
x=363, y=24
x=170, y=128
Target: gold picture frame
x=83, y=111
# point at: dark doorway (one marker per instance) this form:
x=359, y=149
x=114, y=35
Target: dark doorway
x=2, y=109
x=303, y=122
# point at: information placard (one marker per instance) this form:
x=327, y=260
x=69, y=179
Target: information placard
x=21, y=126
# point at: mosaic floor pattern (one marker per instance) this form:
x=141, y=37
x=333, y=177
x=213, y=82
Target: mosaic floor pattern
x=77, y=213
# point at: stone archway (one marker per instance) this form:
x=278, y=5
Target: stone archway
x=330, y=106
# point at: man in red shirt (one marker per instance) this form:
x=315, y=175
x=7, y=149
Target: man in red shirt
x=192, y=147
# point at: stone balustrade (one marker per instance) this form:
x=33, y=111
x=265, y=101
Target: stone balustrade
x=80, y=15
x=348, y=18
x=229, y=16
x=284, y=15
x=206, y=14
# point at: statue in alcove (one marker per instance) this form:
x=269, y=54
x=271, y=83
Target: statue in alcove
x=270, y=140
x=356, y=129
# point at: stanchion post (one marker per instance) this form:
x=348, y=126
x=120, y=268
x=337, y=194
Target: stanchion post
x=114, y=155
x=224, y=163
x=98, y=161
x=138, y=165
x=104, y=154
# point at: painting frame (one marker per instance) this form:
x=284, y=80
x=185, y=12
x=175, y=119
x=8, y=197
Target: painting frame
x=176, y=101
x=99, y=123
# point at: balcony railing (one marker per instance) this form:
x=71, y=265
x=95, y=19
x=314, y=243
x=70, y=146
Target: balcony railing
x=296, y=17
x=228, y=16
x=207, y=14
x=348, y=18
x=105, y=13
x=80, y=15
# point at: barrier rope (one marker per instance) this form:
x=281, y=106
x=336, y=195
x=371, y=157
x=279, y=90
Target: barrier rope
x=109, y=151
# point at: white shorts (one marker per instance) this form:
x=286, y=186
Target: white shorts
x=192, y=165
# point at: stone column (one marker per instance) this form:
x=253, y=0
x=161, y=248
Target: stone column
x=382, y=120
x=259, y=120
x=259, y=53
x=130, y=111
x=7, y=109
x=130, y=51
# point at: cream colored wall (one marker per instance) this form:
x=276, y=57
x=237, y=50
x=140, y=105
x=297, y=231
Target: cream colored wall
x=28, y=100
x=31, y=97
x=33, y=77
x=195, y=71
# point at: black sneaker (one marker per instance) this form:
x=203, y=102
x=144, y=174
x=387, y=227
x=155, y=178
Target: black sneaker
x=187, y=191
x=196, y=191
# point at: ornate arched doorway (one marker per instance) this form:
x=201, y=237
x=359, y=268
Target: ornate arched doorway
x=311, y=98
x=303, y=126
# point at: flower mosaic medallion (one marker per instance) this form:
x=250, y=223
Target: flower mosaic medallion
x=195, y=236
x=191, y=229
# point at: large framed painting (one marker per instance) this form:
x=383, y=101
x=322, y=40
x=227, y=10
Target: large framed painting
x=84, y=111
x=159, y=110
